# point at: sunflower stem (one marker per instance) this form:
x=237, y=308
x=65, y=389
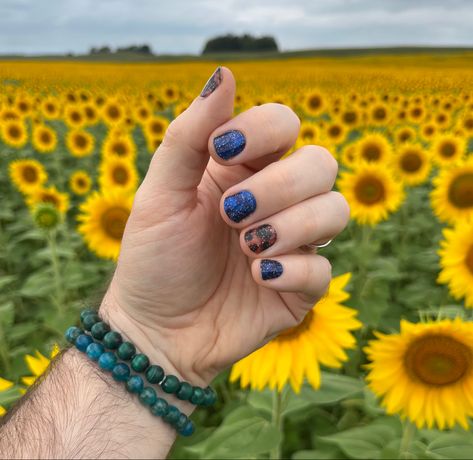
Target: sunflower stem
x=408, y=433
x=59, y=296
x=277, y=422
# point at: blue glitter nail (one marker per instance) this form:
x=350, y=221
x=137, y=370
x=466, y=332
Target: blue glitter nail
x=270, y=269
x=240, y=205
x=229, y=144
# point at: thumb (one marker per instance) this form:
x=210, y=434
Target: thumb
x=181, y=159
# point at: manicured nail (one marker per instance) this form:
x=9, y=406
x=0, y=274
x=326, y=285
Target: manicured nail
x=240, y=205
x=229, y=144
x=270, y=269
x=212, y=83
x=260, y=238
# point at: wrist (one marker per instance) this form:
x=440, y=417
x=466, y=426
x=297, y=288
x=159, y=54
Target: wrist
x=151, y=340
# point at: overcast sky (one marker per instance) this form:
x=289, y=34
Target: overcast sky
x=182, y=26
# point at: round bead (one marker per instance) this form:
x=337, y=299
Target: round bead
x=188, y=430
x=112, y=340
x=197, y=396
x=99, y=330
x=172, y=415
x=185, y=391
x=72, y=333
x=95, y=350
x=85, y=312
x=126, y=351
x=160, y=407
x=181, y=422
x=210, y=397
x=148, y=396
x=121, y=372
x=135, y=384
x=139, y=362
x=170, y=384
x=83, y=341
x=89, y=320
x=107, y=360
x=154, y=373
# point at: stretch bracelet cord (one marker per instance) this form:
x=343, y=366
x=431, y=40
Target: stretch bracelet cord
x=96, y=338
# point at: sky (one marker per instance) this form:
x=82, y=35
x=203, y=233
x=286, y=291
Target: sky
x=183, y=26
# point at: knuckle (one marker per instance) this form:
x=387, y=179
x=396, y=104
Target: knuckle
x=310, y=219
x=286, y=182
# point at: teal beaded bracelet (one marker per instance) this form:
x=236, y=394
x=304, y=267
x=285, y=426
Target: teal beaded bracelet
x=140, y=362
x=121, y=372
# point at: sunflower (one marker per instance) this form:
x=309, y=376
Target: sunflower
x=448, y=149
x=119, y=173
x=372, y=193
x=411, y=164
x=80, y=182
x=350, y=117
x=112, y=112
x=405, y=134
x=379, y=114
x=452, y=196
x=4, y=386
x=38, y=365
x=153, y=143
x=442, y=120
x=456, y=260
x=119, y=145
x=91, y=113
x=49, y=195
x=44, y=139
x=314, y=103
x=416, y=114
x=74, y=116
x=102, y=218
x=156, y=126
x=50, y=108
x=24, y=105
x=80, y=143
x=467, y=124
x=348, y=157
x=428, y=131
x=14, y=133
x=9, y=113
x=336, y=132
x=142, y=113
x=170, y=93
x=298, y=352
x=374, y=148
x=27, y=175
x=425, y=372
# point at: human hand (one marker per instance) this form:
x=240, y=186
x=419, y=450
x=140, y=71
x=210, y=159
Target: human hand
x=188, y=290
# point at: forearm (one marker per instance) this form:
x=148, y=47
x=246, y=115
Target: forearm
x=77, y=410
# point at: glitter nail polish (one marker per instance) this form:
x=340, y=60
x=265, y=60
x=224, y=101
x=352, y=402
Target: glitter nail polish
x=270, y=269
x=239, y=205
x=229, y=144
x=212, y=83
x=260, y=238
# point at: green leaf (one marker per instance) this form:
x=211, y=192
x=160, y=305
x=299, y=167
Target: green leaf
x=7, y=313
x=366, y=441
x=39, y=284
x=6, y=280
x=242, y=434
x=452, y=445
x=9, y=396
x=327, y=453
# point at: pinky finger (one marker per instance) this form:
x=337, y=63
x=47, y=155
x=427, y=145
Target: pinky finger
x=308, y=275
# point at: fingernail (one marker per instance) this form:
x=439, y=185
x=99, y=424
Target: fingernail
x=260, y=238
x=240, y=205
x=270, y=269
x=212, y=83
x=229, y=144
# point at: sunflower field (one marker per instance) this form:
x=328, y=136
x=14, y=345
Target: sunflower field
x=382, y=367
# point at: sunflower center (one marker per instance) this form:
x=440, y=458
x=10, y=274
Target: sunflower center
x=349, y=117
x=307, y=134
x=50, y=198
x=379, y=113
x=460, y=192
x=80, y=182
x=437, y=360
x=411, y=162
x=469, y=259
x=157, y=128
x=120, y=149
x=371, y=152
x=369, y=190
x=447, y=150
x=334, y=131
x=113, y=112
x=315, y=102
x=120, y=175
x=14, y=132
x=30, y=174
x=169, y=92
x=81, y=141
x=76, y=117
x=45, y=137
x=50, y=108
x=114, y=221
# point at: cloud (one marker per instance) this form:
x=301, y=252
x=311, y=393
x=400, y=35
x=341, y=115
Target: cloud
x=38, y=26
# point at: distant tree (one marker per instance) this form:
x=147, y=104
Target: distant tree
x=143, y=49
x=235, y=43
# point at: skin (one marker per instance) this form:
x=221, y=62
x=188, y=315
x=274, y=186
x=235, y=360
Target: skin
x=187, y=287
